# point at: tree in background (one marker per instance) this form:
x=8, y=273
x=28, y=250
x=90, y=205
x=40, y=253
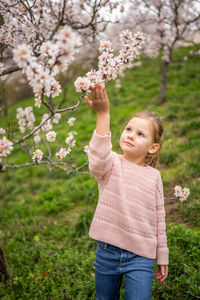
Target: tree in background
x=167, y=24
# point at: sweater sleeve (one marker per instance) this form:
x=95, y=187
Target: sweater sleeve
x=162, y=255
x=100, y=155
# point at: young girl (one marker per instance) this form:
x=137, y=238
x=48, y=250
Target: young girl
x=129, y=221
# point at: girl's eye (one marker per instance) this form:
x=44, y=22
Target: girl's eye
x=140, y=134
x=128, y=128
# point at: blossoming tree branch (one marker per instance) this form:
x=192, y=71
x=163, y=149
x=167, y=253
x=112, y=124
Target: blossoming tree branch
x=41, y=61
x=41, y=50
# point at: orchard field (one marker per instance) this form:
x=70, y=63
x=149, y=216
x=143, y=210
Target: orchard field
x=45, y=214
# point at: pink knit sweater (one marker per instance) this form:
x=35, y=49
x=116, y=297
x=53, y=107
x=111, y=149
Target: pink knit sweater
x=130, y=213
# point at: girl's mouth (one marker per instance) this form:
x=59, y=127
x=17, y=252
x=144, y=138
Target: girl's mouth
x=129, y=144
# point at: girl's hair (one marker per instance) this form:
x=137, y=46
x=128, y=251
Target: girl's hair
x=151, y=159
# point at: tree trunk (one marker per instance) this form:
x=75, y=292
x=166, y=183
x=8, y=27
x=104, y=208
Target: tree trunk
x=4, y=276
x=5, y=107
x=3, y=100
x=164, y=70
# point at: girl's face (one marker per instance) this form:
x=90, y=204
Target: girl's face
x=137, y=140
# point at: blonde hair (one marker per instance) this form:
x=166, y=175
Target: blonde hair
x=151, y=159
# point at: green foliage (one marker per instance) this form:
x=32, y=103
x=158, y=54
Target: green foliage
x=183, y=281
x=52, y=201
x=82, y=224
x=168, y=158
x=189, y=125
x=45, y=214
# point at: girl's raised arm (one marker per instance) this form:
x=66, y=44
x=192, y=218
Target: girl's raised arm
x=100, y=104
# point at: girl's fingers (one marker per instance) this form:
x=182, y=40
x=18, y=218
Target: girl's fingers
x=158, y=276
x=163, y=278
x=164, y=270
x=87, y=100
x=97, y=92
x=101, y=93
x=161, y=273
x=104, y=94
x=93, y=92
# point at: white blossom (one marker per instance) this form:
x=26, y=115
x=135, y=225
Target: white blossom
x=72, y=133
x=86, y=149
x=109, y=66
x=1, y=68
x=71, y=121
x=118, y=84
x=6, y=147
x=47, y=125
x=25, y=118
x=82, y=84
x=38, y=154
x=47, y=48
x=95, y=78
x=55, y=56
x=62, y=153
x=20, y=113
x=37, y=139
x=105, y=46
x=23, y=55
x=69, y=150
x=56, y=118
x=70, y=140
x=181, y=193
x=2, y=131
x=51, y=136
x=38, y=102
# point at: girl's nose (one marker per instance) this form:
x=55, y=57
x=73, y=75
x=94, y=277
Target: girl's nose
x=131, y=136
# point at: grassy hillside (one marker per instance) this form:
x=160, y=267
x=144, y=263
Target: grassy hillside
x=45, y=214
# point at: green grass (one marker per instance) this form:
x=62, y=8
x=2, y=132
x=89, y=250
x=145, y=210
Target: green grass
x=45, y=214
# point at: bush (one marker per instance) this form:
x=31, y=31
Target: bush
x=168, y=157
x=188, y=126
x=53, y=201
x=183, y=281
x=81, y=227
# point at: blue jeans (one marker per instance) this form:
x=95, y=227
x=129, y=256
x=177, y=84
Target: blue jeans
x=112, y=263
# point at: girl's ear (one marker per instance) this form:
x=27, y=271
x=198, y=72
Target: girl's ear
x=154, y=148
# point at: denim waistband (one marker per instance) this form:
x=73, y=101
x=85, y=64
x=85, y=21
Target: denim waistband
x=109, y=246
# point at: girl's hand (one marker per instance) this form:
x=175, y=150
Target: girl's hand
x=162, y=272
x=100, y=102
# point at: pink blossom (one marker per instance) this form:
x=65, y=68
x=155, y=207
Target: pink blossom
x=181, y=193
x=23, y=55
x=38, y=154
x=1, y=68
x=95, y=77
x=71, y=121
x=51, y=136
x=62, y=153
x=56, y=118
x=110, y=66
x=86, y=149
x=37, y=139
x=82, y=84
x=105, y=46
x=6, y=147
x=2, y=131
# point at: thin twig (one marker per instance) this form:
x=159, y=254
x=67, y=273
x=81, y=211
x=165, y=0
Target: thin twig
x=72, y=107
